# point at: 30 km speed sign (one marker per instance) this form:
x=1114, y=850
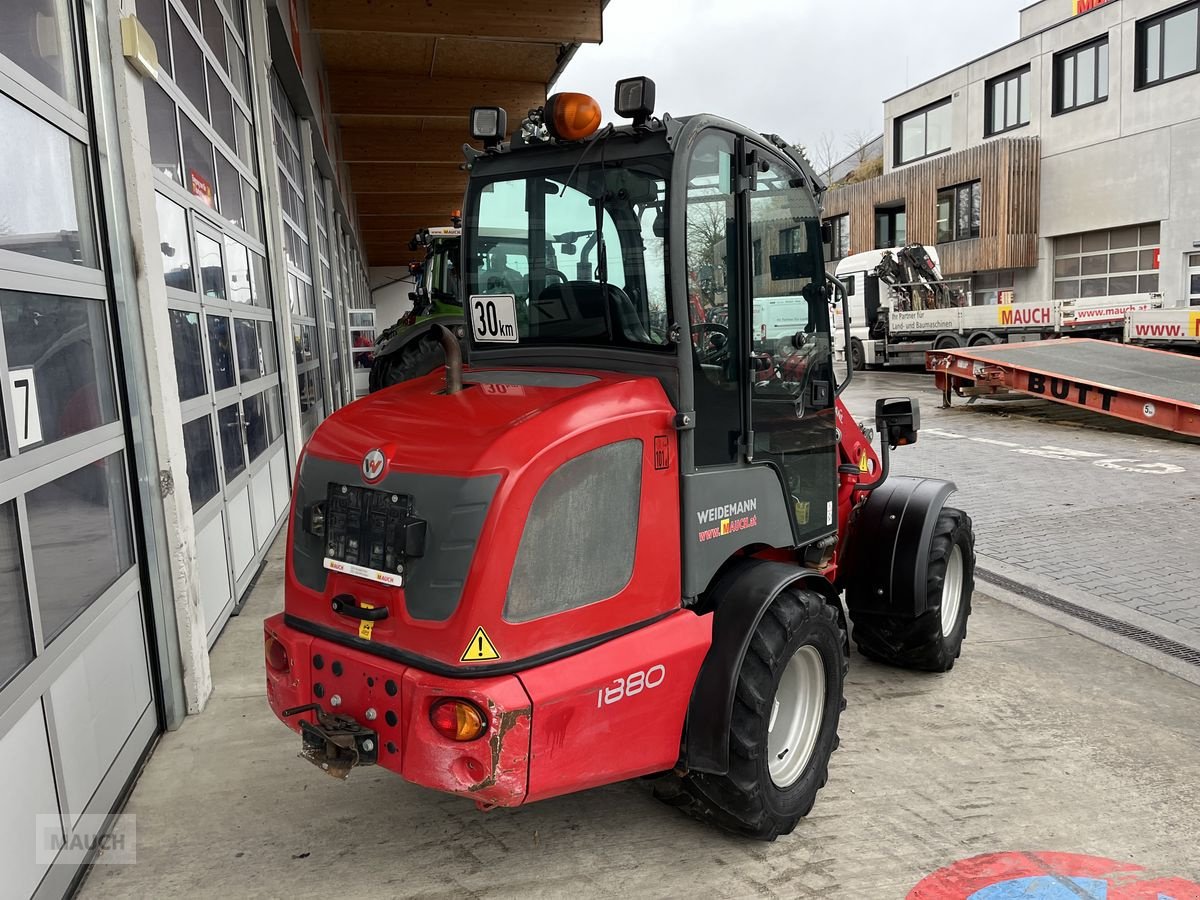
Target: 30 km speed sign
x=494, y=318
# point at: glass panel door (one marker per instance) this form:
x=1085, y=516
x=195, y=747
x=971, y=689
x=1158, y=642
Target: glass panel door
x=792, y=386
x=713, y=306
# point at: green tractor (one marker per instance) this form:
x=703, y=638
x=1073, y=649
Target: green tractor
x=411, y=347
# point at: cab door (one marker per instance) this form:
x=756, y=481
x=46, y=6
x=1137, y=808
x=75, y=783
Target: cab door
x=792, y=391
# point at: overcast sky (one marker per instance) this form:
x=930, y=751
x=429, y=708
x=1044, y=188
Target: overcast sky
x=799, y=68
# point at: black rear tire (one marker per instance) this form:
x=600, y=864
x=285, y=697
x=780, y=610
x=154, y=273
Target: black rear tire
x=926, y=642
x=746, y=801
x=858, y=356
x=414, y=359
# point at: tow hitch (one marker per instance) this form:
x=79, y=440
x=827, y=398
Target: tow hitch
x=335, y=743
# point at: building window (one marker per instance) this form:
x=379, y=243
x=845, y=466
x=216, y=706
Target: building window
x=840, y=248
x=1008, y=102
x=987, y=288
x=958, y=212
x=1168, y=46
x=891, y=227
x=758, y=256
x=1107, y=263
x=791, y=240
x=923, y=133
x=1081, y=76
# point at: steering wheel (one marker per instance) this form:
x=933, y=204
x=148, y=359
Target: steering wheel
x=707, y=353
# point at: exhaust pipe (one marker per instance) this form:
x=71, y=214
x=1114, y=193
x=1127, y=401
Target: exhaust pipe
x=453, y=352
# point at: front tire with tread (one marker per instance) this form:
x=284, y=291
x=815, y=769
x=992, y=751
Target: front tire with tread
x=746, y=800
x=926, y=643
x=414, y=359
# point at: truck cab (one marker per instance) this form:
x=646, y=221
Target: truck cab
x=867, y=295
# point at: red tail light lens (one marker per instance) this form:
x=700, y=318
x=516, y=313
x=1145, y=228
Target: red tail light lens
x=277, y=657
x=458, y=720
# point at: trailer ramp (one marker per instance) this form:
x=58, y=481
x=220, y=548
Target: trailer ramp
x=1150, y=387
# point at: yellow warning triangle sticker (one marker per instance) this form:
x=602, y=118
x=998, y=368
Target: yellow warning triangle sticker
x=480, y=648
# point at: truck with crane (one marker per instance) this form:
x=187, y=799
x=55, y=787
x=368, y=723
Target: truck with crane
x=629, y=540
x=901, y=307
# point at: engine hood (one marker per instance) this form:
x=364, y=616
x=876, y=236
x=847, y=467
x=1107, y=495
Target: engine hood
x=500, y=420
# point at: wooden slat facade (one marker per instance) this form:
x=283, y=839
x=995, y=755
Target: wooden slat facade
x=1008, y=170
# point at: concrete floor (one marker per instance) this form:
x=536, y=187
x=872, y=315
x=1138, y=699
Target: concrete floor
x=1038, y=740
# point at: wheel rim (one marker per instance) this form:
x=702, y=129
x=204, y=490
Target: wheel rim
x=796, y=715
x=952, y=586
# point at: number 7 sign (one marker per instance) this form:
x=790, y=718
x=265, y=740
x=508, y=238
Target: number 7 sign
x=25, y=406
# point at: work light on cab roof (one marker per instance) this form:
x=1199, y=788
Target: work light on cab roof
x=567, y=116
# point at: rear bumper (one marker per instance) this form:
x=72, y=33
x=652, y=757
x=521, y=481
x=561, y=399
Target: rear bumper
x=394, y=700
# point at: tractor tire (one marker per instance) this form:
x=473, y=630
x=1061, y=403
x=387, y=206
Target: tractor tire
x=858, y=356
x=414, y=359
x=792, y=678
x=932, y=641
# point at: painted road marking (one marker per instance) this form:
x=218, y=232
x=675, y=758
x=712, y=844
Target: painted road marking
x=996, y=443
x=1068, y=454
x=1048, y=876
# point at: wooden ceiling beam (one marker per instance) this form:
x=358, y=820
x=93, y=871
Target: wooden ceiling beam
x=404, y=178
x=546, y=21
x=384, y=144
x=384, y=94
x=397, y=227
x=434, y=207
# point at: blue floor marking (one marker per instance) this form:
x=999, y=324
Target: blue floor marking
x=1044, y=887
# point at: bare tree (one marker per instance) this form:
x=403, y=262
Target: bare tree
x=825, y=153
x=708, y=225
x=857, y=142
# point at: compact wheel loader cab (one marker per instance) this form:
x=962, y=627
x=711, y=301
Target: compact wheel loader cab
x=616, y=544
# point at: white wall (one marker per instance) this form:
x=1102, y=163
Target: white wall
x=389, y=296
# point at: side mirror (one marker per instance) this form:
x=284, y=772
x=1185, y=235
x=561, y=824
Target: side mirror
x=898, y=419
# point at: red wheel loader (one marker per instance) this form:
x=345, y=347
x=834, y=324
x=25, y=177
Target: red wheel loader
x=615, y=545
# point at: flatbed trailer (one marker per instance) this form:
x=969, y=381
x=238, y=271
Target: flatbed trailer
x=1138, y=384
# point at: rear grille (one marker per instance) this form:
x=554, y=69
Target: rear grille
x=1149, y=639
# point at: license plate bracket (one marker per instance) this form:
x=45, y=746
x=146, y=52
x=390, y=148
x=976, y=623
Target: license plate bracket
x=371, y=533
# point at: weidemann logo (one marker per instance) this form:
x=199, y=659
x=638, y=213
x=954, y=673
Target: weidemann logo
x=728, y=511
x=723, y=520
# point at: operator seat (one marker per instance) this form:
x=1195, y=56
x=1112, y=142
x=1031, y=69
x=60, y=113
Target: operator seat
x=585, y=310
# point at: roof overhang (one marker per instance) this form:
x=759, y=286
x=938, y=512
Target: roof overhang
x=403, y=76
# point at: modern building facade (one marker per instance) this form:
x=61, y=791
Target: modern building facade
x=1064, y=165
x=181, y=256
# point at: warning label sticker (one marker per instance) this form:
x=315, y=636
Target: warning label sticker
x=480, y=648
x=366, y=627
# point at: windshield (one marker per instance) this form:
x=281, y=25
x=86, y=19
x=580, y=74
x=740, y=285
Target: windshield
x=441, y=271
x=581, y=255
